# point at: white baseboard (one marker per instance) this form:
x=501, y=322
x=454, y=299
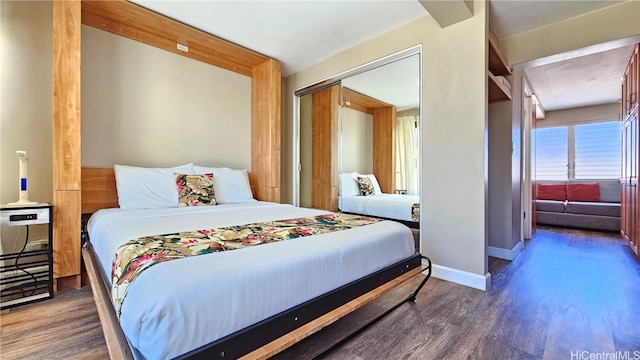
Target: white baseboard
x=505, y=253
x=462, y=277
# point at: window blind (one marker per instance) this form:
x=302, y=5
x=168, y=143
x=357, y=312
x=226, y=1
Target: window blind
x=551, y=153
x=597, y=154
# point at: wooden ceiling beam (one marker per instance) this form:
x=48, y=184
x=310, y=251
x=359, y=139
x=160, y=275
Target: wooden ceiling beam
x=137, y=23
x=361, y=102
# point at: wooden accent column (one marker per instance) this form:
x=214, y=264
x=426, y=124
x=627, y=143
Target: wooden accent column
x=324, y=149
x=66, y=140
x=384, y=147
x=266, y=82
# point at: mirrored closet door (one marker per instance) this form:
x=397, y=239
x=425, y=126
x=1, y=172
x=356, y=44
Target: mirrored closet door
x=364, y=124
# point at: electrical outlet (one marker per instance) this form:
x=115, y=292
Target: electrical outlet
x=37, y=244
x=182, y=47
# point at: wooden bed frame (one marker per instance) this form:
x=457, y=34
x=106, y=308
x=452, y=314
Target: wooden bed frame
x=123, y=18
x=261, y=340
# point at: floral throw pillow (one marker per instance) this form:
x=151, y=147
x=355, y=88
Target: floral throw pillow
x=366, y=186
x=195, y=190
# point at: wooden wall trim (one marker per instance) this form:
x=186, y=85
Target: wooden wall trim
x=66, y=137
x=324, y=152
x=66, y=95
x=361, y=102
x=384, y=148
x=137, y=23
x=66, y=235
x=266, y=85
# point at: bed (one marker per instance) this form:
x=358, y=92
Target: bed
x=267, y=297
x=357, y=197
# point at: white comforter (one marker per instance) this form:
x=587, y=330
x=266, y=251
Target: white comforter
x=180, y=305
x=390, y=206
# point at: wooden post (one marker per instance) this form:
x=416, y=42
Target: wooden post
x=66, y=139
x=324, y=149
x=266, y=85
x=384, y=148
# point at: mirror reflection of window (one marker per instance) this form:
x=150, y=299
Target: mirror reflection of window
x=407, y=152
x=396, y=84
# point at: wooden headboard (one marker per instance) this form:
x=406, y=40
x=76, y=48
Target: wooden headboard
x=99, y=189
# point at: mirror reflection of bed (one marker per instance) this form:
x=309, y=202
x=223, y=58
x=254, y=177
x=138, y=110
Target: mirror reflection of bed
x=376, y=126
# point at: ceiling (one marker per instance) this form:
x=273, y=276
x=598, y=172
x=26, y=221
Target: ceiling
x=511, y=17
x=297, y=33
x=587, y=80
x=397, y=83
x=302, y=33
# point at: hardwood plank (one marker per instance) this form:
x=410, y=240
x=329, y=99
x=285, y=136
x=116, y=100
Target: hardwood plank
x=515, y=318
x=65, y=327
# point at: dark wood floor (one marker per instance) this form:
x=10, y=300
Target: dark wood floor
x=569, y=291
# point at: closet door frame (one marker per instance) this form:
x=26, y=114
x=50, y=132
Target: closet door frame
x=336, y=80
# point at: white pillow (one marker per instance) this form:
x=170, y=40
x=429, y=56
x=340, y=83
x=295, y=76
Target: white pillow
x=148, y=188
x=376, y=186
x=349, y=184
x=231, y=186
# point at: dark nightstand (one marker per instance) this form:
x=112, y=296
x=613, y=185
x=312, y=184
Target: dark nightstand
x=26, y=275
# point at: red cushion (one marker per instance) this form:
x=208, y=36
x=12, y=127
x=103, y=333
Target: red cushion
x=583, y=192
x=552, y=192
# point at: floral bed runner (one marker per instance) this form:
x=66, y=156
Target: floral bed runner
x=415, y=212
x=135, y=256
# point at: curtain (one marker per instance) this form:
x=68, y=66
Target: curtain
x=407, y=154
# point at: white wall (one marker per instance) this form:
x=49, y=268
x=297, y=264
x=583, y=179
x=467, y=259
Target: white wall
x=26, y=106
x=454, y=155
x=356, y=141
x=145, y=106
x=26, y=97
x=612, y=23
x=581, y=115
x=500, y=197
x=410, y=112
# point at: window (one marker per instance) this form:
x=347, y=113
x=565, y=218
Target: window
x=580, y=152
x=551, y=153
x=597, y=151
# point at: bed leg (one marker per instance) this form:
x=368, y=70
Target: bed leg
x=411, y=297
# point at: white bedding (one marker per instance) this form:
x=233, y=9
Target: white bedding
x=172, y=309
x=391, y=206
